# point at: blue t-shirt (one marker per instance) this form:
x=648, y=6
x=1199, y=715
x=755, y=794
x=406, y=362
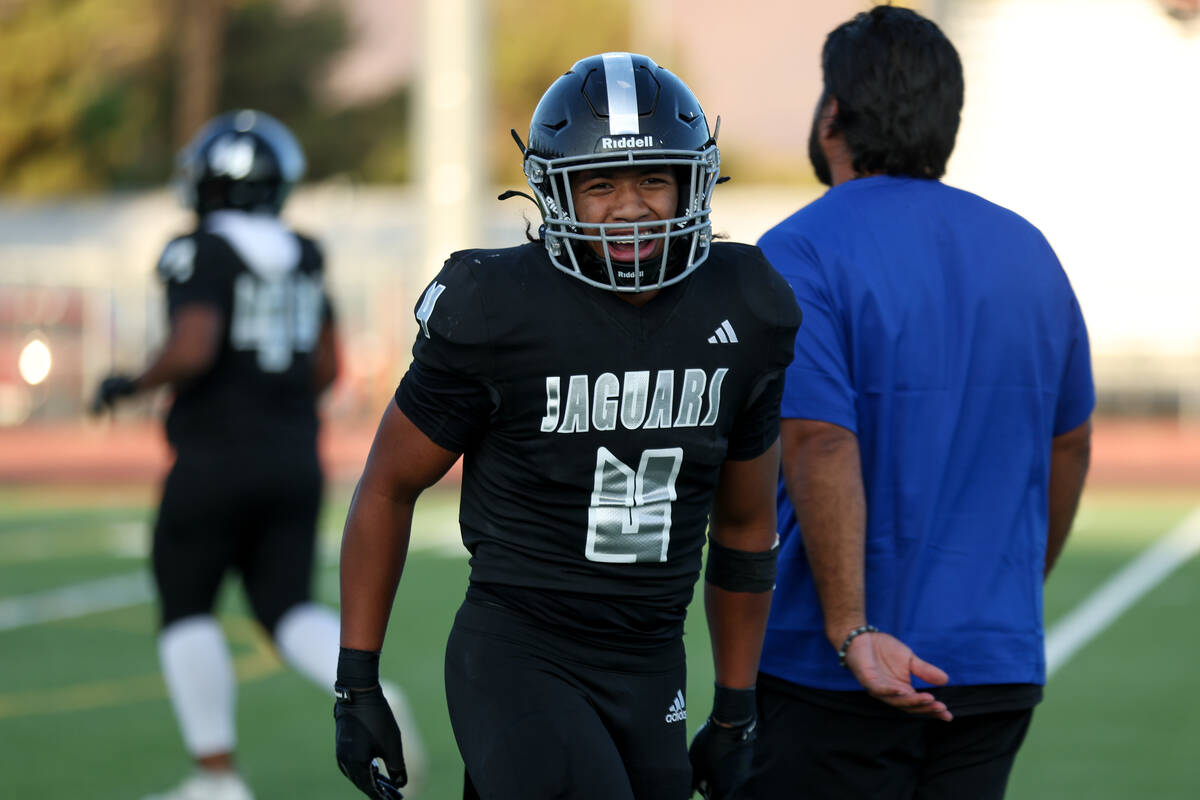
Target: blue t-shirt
x=941, y=329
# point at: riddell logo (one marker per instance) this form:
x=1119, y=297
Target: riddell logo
x=676, y=713
x=625, y=142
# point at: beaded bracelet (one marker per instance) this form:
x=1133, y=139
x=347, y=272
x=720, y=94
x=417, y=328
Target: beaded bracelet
x=850, y=638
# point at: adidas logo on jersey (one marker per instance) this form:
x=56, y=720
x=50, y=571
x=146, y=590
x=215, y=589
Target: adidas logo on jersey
x=677, y=712
x=724, y=334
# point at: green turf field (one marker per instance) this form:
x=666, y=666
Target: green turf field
x=83, y=713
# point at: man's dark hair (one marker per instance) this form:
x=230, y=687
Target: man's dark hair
x=898, y=83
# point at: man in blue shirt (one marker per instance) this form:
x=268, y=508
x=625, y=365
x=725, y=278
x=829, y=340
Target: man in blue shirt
x=935, y=442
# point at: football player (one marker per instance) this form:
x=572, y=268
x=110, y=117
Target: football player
x=613, y=388
x=252, y=344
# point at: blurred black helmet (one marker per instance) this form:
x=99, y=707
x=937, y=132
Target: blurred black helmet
x=618, y=110
x=242, y=159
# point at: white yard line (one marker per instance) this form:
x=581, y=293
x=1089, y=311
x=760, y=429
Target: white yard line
x=1069, y=634
x=67, y=602
x=1103, y=606
x=134, y=588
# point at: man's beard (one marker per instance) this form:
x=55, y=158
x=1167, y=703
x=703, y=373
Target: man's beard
x=820, y=163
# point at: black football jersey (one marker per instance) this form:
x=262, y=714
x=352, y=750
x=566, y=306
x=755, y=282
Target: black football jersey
x=259, y=392
x=593, y=430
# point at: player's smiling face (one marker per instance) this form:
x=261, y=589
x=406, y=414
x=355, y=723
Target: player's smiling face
x=626, y=195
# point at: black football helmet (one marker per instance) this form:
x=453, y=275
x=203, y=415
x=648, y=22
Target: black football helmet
x=242, y=159
x=618, y=110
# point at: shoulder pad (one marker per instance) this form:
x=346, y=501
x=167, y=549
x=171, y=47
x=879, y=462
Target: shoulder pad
x=178, y=260
x=493, y=268
x=765, y=291
x=451, y=307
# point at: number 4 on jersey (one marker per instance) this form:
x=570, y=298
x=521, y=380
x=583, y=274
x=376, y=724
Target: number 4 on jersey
x=629, y=519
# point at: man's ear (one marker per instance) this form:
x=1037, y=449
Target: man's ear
x=826, y=119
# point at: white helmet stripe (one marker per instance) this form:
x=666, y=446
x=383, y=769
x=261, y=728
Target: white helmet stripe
x=622, y=94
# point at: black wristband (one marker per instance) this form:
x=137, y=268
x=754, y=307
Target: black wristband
x=741, y=570
x=358, y=669
x=733, y=706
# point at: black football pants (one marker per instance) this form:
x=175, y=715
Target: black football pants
x=538, y=717
x=221, y=512
x=810, y=752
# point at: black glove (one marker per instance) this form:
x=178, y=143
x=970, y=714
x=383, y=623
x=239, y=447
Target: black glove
x=365, y=728
x=723, y=748
x=111, y=388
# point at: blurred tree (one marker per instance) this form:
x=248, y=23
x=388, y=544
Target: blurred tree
x=533, y=42
x=80, y=90
x=274, y=60
x=98, y=94
x=199, y=32
x=1182, y=10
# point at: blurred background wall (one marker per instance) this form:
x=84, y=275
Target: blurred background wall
x=1080, y=115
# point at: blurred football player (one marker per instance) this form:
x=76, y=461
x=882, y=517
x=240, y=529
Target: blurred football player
x=252, y=344
x=613, y=388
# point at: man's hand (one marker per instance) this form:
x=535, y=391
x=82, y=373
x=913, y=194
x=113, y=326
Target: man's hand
x=110, y=389
x=721, y=752
x=365, y=730
x=885, y=666
x=721, y=757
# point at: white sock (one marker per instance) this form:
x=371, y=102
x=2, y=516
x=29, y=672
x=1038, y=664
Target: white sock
x=200, y=681
x=308, y=637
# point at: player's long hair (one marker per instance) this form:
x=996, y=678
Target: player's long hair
x=898, y=83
